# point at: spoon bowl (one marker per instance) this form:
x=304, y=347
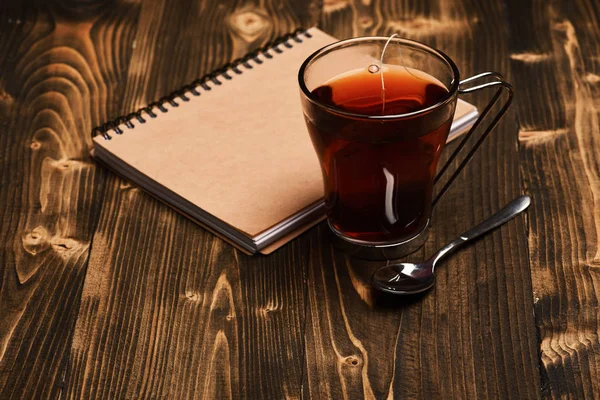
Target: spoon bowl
x=408, y=278
x=397, y=279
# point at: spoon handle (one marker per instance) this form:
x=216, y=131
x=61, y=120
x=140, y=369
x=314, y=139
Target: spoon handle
x=510, y=211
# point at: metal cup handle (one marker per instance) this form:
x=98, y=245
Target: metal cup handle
x=472, y=86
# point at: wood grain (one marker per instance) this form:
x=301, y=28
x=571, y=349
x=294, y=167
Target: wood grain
x=557, y=75
x=168, y=310
x=473, y=335
x=56, y=83
x=107, y=293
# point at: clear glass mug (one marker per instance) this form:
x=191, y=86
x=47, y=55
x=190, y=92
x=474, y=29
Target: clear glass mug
x=379, y=171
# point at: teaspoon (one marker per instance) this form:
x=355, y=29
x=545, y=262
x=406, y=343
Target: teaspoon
x=407, y=278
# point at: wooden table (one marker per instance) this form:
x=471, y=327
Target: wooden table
x=107, y=293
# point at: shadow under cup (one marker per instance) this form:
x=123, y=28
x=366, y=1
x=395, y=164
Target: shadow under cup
x=378, y=170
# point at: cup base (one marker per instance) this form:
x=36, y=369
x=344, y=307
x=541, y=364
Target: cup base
x=378, y=251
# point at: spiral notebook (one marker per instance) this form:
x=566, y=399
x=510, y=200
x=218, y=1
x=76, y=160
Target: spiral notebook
x=231, y=150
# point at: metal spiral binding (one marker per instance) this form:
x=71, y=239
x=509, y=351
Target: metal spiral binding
x=192, y=87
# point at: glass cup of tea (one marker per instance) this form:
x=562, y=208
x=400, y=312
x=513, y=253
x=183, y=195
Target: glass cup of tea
x=379, y=125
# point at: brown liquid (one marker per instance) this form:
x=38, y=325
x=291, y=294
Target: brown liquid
x=378, y=175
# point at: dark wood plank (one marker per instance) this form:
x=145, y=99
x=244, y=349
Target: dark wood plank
x=168, y=310
x=57, y=81
x=557, y=71
x=474, y=334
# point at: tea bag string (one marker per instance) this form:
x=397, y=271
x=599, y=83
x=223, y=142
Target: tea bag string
x=381, y=70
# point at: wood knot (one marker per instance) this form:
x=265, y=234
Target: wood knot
x=267, y=310
x=193, y=296
x=62, y=244
x=353, y=361
x=66, y=164
x=250, y=25
x=592, y=78
x=563, y=26
x=5, y=98
x=365, y=22
x=125, y=186
x=530, y=58
x=428, y=26
x=36, y=241
x=330, y=6
x=531, y=137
